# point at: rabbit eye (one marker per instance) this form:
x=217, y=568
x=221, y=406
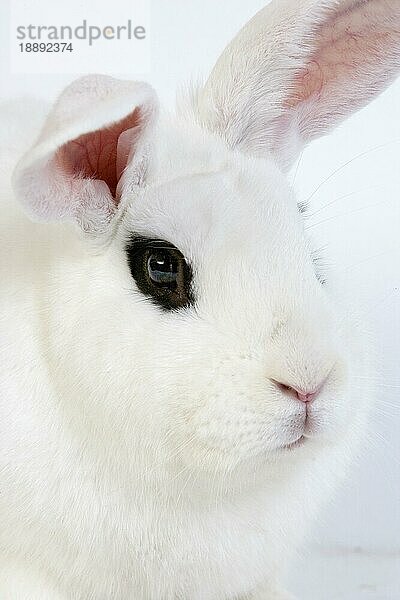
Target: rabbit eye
x=160, y=272
x=163, y=268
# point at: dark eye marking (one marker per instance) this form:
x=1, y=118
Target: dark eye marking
x=160, y=272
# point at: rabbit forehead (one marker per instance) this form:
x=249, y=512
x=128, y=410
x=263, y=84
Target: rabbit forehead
x=201, y=193
x=234, y=199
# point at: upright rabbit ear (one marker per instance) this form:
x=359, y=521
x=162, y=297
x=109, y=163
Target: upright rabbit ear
x=76, y=169
x=297, y=69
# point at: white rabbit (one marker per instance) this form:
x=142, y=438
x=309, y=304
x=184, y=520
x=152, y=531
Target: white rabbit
x=176, y=386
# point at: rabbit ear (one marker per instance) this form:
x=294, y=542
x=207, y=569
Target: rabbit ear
x=297, y=69
x=76, y=169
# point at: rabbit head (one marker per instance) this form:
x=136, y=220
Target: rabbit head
x=188, y=322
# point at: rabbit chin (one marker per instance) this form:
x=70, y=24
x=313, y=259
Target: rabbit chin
x=221, y=455
x=244, y=441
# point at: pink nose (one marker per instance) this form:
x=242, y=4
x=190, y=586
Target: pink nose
x=306, y=397
x=302, y=395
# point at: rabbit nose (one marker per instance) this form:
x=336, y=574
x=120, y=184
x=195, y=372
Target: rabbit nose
x=306, y=396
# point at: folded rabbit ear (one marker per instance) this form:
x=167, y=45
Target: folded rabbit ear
x=297, y=69
x=76, y=169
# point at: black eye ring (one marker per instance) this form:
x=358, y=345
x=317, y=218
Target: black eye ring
x=160, y=272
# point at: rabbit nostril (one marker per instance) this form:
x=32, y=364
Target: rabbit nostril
x=303, y=396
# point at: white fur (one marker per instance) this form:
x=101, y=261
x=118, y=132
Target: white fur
x=142, y=452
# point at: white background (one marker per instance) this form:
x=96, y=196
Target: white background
x=355, y=177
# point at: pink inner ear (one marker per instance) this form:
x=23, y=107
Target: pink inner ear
x=96, y=155
x=355, y=48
